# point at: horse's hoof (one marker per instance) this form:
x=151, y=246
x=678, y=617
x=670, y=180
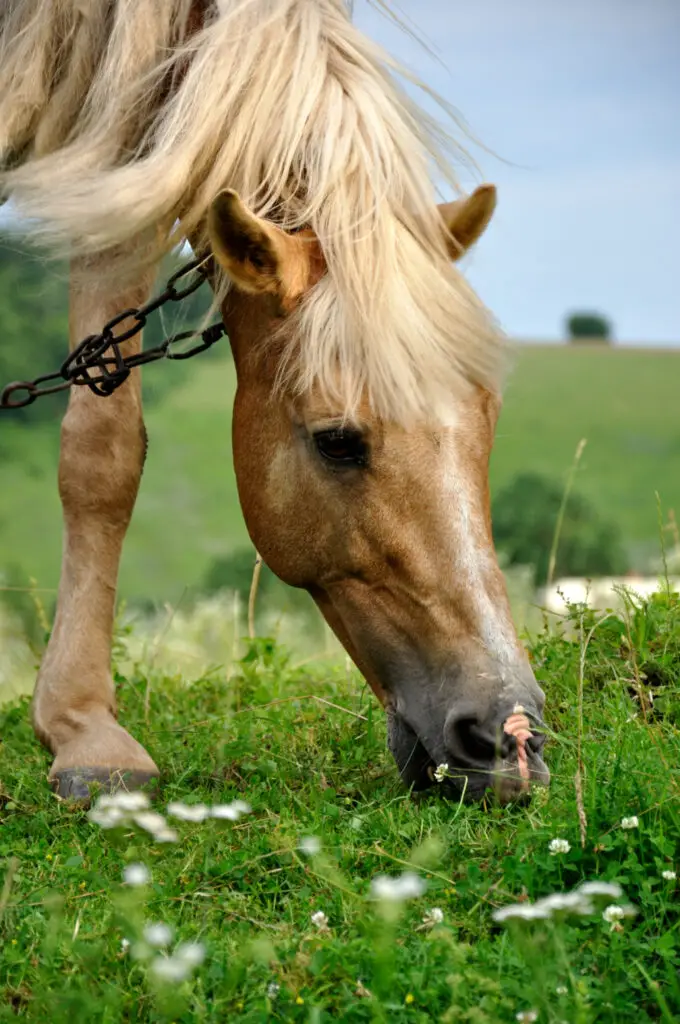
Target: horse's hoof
x=79, y=785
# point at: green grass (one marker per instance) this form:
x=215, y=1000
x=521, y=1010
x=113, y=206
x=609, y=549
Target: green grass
x=622, y=401
x=309, y=769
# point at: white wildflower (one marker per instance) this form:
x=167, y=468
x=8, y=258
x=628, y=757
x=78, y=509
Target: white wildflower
x=629, y=823
x=273, y=989
x=523, y=911
x=441, y=771
x=669, y=876
x=150, y=821
x=608, y=890
x=569, y=902
x=404, y=887
x=232, y=811
x=526, y=1016
x=561, y=990
x=310, y=845
x=613, y=913
x=124, y=945
x=124, y=801
x=166, y=835
x=179, y=966
x=107, y=817
x=188, y=812
x=136, y=874
x=192, y=954
x=320, y=921
x=433, y=917
x=557, y=846
x=158, y=934
x=169, y=968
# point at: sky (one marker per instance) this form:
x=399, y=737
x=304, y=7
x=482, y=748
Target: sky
x=577, y=105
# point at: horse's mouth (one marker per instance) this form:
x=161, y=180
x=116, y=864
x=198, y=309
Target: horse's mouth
x=510, y=777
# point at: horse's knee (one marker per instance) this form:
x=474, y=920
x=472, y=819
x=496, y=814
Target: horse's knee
x=102, y=457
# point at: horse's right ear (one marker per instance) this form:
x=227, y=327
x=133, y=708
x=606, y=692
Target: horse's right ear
x=258, y=256
x=467, y=219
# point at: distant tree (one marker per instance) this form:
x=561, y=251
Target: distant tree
x=34, y=326
x=524, y=515
x=589, y=327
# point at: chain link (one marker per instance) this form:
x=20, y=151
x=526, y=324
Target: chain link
x=97, y=361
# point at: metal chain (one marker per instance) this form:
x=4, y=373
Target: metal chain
x=97, y=361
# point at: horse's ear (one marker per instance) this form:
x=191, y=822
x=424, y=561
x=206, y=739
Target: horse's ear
x=258, y=256
x=467, y=218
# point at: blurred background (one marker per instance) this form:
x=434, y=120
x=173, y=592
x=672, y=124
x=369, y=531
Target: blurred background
x=572, y=107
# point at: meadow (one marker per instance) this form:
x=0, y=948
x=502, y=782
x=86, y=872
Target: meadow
x=621, y=401
x=291, y=877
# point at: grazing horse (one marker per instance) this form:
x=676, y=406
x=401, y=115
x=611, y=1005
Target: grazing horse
x=273, y=134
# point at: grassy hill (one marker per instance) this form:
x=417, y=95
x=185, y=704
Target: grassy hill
x=624, y=402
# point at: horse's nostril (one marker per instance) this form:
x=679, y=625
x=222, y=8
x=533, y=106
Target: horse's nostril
x=536, y=742
x=471, y=745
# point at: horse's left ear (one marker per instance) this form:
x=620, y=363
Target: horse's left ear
x=467, y=218
x=258, y=256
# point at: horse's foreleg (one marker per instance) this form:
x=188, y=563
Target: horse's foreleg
x=103, y=445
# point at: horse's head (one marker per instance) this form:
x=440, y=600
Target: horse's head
x=388, y=528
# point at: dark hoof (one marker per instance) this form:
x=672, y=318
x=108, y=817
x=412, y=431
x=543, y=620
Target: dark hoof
x=80, y=785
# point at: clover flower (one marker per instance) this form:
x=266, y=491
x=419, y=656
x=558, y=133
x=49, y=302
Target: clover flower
x=669, y=875
x=557, y=846
x=581, y=902
x=136, y=874
x=567, y=902
x=526, y=1016
x=320, y=921
x=230, y=812
x=433, y=917
x=158, y=935
x=610, y=890
x=188, y=812
x=191, y=953
x=629, y=823
x=523, y=911
x=113, y=810
x=404, y=887
x=273, y=989
x=310, y=846
x=441, y=772
x=180, y=965
x=122, y=810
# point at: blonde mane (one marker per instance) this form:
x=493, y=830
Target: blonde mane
x=118, y=121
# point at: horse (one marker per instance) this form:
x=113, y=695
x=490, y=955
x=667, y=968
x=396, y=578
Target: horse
x=276, y=138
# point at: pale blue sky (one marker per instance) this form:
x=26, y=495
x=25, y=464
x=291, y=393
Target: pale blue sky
x=582, y=99
x=580, y=102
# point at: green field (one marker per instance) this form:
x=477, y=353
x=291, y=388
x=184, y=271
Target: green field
x=246, y=891
x=624, y=402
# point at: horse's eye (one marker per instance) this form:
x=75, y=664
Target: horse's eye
x=342, y=447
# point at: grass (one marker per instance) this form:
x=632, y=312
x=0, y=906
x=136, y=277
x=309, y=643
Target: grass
x=309, y=768
x=621, y=401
